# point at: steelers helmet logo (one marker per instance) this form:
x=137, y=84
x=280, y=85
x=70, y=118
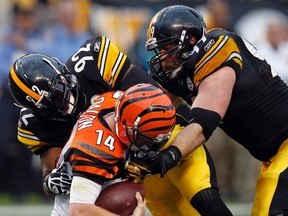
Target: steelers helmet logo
x=97, y=46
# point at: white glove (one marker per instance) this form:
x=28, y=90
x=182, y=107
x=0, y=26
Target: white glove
x=60, y=179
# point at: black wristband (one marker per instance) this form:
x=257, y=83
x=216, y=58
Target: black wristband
x=175, y=153
x=170, y=158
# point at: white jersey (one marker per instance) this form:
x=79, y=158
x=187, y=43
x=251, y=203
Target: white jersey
x=61, y=205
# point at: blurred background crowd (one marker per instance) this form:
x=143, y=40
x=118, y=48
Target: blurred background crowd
x=59, y=27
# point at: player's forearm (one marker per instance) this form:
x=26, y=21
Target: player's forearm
x=190, y=138
x=77, y=209
x=48, y=162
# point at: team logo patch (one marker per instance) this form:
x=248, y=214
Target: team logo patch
x=209, y=45
x=97, y=46
x=189, y=84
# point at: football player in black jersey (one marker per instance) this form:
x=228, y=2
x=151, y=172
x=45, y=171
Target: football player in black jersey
x=54, y=94
x=232, y=87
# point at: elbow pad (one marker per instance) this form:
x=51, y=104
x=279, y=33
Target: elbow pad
x=208, y=119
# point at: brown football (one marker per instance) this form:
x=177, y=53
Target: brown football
x=119, y=198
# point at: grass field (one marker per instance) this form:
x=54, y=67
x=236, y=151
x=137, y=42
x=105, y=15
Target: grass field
x=238, y=209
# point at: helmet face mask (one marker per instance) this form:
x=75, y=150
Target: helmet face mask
x=61, y=100
x=177, y=25
x=44, y=85
x=167, y=61
x=144, y=146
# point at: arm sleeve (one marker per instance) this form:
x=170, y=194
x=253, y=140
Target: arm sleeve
x=84, y=190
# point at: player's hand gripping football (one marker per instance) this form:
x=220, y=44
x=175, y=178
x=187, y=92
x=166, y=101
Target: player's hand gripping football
x=59, y=180
x=161, y=163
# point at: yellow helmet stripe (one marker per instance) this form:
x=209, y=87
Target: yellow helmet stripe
x=24, y=88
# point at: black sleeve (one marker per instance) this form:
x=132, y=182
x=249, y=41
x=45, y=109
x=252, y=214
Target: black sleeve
x=136, y=75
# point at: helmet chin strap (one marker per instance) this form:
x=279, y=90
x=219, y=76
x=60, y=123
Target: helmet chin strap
x=43, y=101
x=182, y=37
x=71, y=104
x=176, y=71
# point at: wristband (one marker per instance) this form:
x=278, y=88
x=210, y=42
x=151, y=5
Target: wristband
x=170, y=157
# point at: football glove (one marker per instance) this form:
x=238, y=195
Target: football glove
x=137, y=169
x=163, y=161
x=59, y=180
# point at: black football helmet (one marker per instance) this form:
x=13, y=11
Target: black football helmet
x=45, y=85
x=172, y=27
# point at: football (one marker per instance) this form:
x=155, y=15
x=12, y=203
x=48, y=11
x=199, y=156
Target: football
x=119, y=198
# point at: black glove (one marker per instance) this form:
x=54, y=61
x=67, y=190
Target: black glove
x=164, y=161
x=59, y=180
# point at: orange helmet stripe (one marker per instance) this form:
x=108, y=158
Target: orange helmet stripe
x=24, y=88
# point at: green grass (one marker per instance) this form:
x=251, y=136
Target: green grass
x=6, y=199
x=29, y=199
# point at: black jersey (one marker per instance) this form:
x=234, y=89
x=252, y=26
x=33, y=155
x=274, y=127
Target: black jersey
x=99, y=67
x=257, y=115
